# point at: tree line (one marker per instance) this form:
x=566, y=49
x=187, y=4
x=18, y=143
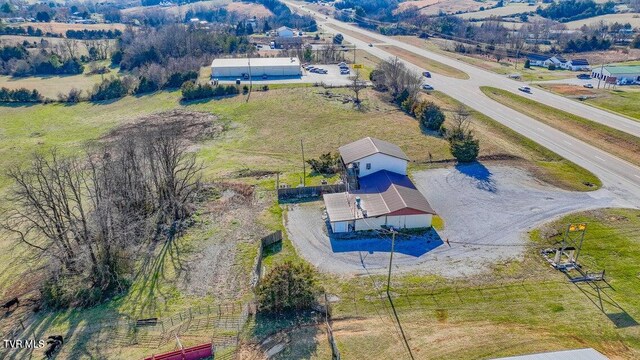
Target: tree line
x=570, y=10
x=93, y=34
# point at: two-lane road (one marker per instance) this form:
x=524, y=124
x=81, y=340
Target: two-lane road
x=618, y=175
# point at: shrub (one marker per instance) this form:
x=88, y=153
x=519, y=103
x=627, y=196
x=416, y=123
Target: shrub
x=146, y=86
x=20, y=95
x=287, y=287
x=74, y=96
x=466, y=149
x=527, y=64
x=326, y=164
x=112, y=88
x=552, y=67
x=193, y=91
x=430, y=116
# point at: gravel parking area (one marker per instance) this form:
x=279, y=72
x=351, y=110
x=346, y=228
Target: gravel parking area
x=487, y=212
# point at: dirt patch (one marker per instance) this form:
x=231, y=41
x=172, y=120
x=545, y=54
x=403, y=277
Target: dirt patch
x=192, y=126
x=571, y=90
x=223, y=242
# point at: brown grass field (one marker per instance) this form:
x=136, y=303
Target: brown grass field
x=632, y=18
x=249, y=9
x=426, y=63
x=61, y=28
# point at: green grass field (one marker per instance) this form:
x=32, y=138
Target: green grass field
x=614, y=141
x=623, y=100
x=523, y=307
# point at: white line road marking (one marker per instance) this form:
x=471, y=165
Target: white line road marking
x=598, y=157
x=638, y=176
x=567, y=142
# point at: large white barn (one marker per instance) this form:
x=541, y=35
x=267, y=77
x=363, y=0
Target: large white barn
x=257, y=67
x=384, y=194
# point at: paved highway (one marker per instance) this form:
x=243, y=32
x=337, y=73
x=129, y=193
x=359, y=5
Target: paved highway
x=618, y=175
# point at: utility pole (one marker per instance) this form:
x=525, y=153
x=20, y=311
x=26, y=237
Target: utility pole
x=304, y=167
x=601, y=70
x=393, y=241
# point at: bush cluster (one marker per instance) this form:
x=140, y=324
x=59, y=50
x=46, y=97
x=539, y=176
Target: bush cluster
x=193, y=91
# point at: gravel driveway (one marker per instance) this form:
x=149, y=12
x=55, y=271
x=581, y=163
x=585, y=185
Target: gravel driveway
x=487, y=212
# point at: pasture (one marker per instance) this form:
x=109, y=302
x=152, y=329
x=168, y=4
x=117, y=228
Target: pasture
x=610, y=19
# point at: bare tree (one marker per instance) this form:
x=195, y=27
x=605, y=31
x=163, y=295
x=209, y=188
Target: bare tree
x=395, y=76
x=91, y=217
x=461, y=122
x=357, y=85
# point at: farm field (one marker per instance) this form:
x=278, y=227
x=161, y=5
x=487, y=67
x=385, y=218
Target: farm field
x=61, y=28
x=522, y=307
x=507, y=10
x=622, y=100
x=609, y=19
x=51, y=86
x=614, y=141
x=434, y=7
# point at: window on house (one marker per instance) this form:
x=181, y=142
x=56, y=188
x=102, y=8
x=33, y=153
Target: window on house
x=368, y=166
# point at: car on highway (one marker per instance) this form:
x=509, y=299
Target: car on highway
x=426, y=74
x=345, y=72
x=525, y=89
x=588, y=86
x=370, y=45
x=583, y=76
x=427, y=87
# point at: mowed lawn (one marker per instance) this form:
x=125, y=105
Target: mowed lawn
x=522, y=307
x=624, y=100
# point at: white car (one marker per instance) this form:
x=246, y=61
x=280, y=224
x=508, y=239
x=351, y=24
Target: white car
x=588, y=86
x=427, y=87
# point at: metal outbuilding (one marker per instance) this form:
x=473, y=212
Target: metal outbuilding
x=257, y=67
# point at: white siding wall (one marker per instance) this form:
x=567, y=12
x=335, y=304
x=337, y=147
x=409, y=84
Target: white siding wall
x=382, y=162
x=370, y=223
x=418, y=221
x=399, y=222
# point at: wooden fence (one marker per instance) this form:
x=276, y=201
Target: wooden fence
x=335, y=353
x=268, y=240
x=309, y=191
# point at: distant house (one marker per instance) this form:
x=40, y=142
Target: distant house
x=556, y=60
x=576, y=65
x=617, y=74
x=380, y=194
x=284, y=32
x=537, y=60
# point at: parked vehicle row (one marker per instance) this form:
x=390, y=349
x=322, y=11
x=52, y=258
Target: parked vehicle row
x=314, y=69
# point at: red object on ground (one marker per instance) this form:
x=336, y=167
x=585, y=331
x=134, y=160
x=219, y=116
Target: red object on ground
x=193, y=353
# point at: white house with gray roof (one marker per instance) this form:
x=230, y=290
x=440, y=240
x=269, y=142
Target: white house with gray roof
x=383, y=195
